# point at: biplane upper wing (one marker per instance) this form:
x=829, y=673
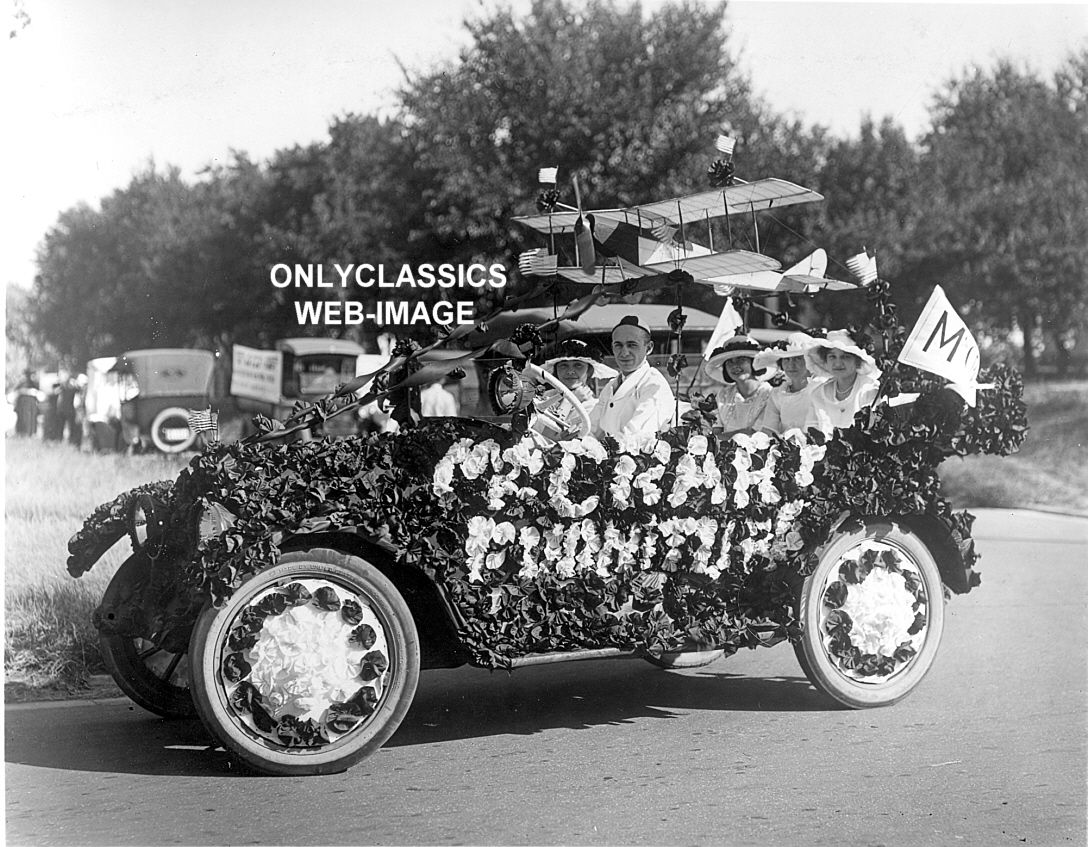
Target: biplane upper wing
x=562, y=221
x=761, y=195
x=743, y=197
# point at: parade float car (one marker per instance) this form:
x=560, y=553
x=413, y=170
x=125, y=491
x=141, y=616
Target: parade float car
x=290, y=591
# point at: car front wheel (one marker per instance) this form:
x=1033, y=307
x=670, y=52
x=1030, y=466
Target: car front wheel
x=308, y=667
x=872, y=615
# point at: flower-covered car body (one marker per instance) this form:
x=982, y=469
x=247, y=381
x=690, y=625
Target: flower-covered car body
x=498, y=549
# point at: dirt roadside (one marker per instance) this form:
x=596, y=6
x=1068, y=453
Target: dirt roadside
x=99, y=687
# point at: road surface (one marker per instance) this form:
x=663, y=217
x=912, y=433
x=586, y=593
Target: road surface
x=989, y=750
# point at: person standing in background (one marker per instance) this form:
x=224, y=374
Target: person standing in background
x=27, y=399
x=436, y=402
x=67, y=409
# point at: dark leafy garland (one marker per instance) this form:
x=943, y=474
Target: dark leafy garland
x=838, y=624
x=108, y=524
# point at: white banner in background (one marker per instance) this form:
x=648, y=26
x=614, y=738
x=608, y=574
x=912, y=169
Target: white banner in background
x=257, y=374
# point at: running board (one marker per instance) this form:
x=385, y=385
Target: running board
x=573, y=656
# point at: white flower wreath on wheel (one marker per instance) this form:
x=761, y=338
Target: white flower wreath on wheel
x=303, y=666
x=877, y=611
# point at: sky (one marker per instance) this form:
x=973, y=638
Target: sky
x=96, y=89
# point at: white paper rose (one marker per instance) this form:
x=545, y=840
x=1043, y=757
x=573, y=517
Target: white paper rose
x=503, y=533
x=753, y=442
x=881, y=608
x=698, y=445
x=442, y=483
x=303, y=661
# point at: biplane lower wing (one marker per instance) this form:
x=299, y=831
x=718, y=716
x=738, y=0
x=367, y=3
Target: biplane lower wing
x=709, y=268
x=806, y=277
x=616, y=271
x=801, y=284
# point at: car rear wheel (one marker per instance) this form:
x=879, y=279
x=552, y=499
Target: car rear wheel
x=152, y=675
x=872, y=615
x=308, y=667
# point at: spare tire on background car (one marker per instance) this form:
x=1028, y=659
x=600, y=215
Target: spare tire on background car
x=170, y=431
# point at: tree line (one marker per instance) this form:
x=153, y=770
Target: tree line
x=991, y=202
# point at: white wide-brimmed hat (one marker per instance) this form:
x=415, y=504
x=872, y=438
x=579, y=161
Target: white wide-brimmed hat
x=573, y=350
x=797, y=344
x=737, y=347
x=839, y=339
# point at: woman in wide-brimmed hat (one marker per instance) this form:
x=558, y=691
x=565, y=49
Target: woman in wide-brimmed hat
x=788, y=404
x=578, y=366
x=853, y=381
x=743, y=398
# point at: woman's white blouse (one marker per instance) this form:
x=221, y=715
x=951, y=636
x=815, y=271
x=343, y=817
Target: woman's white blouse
x=828, y=413
x=787, y=409
x=738, y=412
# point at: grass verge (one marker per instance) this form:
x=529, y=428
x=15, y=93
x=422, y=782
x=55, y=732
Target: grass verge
x=1049, y=473
x=50, y=646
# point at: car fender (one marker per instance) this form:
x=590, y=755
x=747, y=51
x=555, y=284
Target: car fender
x=953, y=550
x=436, y=618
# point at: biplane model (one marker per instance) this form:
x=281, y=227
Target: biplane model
x=622, y=245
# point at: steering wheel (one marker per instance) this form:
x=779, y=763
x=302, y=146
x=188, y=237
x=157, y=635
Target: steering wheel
x=568, y=395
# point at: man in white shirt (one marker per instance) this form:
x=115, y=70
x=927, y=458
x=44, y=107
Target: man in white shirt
x=436, y=402
x=639, y=402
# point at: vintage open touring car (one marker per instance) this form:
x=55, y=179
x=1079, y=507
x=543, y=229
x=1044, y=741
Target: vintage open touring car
x=290, y=590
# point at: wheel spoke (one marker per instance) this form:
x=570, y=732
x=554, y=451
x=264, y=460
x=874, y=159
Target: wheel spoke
x=173, y=666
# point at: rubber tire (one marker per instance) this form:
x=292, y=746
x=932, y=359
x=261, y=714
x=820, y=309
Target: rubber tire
x=685, y=659
x=120, y=655
x=156, y=439
x=402, y=639
x=812, y=656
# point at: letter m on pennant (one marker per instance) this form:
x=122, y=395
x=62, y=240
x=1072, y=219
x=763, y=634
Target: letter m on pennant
x=941, y=343
x=954, y=340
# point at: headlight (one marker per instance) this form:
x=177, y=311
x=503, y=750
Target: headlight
x=146, y=521
x=213, y=520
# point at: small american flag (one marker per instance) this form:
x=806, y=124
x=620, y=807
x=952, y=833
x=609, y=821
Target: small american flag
x=863, y=266
x=548, y=176
x=203, y=420
x=537, y=262
x=725, y=145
